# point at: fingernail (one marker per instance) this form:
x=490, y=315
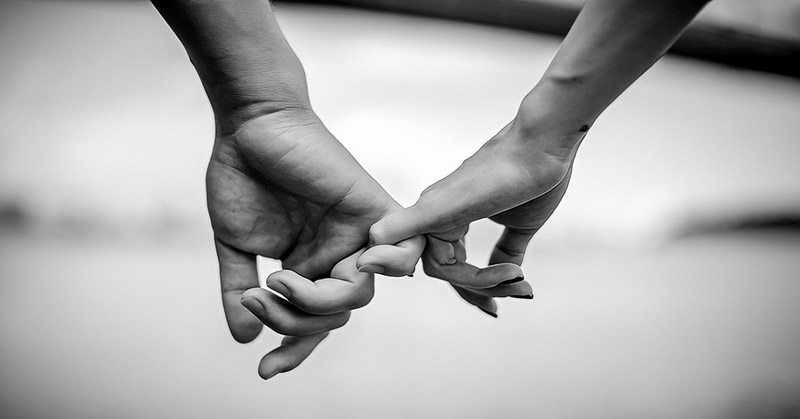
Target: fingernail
x=279, y=287
x=524, y=297
x=488, y=312
x=373, y=269
x=513, y=281
x=451, y=261
x=254, y=306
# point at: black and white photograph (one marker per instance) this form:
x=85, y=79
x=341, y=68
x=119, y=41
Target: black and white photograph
x=393, y=209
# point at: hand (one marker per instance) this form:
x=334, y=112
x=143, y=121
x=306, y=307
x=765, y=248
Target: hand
x=281, y=186
x=516, y=179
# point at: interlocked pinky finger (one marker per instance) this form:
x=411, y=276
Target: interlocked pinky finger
x=398, y=259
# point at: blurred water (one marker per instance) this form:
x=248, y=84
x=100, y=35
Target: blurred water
x=109, y=296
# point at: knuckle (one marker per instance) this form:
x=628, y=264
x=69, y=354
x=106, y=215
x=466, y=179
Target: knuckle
x=363, y=297
x=377, y=232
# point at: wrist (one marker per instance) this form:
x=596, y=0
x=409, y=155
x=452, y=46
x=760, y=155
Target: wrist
x=557, y=108
x=238, y=98
x=229, y=120
x=245, y=64
x=543, y=124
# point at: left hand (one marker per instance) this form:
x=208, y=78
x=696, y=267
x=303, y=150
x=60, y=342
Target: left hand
x=479, y=287
x=515, y=180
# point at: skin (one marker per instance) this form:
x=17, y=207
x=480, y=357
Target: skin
x=279, y=185
x=445, y=255
x=610, y=45
x=283, y=187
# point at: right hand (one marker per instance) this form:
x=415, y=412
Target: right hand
x=516, y=180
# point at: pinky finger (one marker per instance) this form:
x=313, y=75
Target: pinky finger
x=392, y=259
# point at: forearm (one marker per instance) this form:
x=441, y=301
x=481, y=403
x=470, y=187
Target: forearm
x=610, y=45
x=244, y=62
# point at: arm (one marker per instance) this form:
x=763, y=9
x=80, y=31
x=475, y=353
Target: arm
x=610, y=45
x=520, y=175
x=245, y=64
x=279, y=184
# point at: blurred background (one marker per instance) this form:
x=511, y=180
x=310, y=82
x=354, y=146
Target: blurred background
x=666, y=284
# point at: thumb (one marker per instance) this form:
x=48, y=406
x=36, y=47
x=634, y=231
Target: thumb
x=420, y=218
x=398, y=226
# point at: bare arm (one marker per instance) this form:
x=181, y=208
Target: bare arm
x=277, y=182
x=520, y=175
x=610, y=45
x=246, y=65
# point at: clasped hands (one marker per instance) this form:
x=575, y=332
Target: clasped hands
x=281, y=186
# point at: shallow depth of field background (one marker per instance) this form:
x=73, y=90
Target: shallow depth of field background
x=659, y=290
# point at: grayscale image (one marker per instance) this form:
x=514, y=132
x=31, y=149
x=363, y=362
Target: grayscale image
x=397, y=209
